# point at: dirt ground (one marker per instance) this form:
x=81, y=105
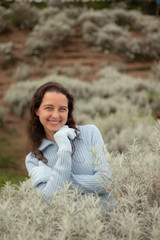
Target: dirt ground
x=73, y=51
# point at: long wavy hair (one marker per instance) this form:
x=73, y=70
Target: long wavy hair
x=35, y=129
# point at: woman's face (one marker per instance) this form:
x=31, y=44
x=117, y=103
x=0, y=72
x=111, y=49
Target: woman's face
x=53, y=112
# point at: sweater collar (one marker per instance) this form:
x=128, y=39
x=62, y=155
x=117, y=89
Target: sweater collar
x=45, y=143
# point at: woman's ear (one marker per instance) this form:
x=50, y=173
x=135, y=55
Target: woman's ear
x=37, y=113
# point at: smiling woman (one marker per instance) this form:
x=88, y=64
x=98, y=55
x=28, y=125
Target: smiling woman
x=53, y=112
x=61, y=150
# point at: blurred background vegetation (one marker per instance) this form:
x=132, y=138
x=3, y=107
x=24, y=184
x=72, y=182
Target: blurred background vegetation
x=29, y=19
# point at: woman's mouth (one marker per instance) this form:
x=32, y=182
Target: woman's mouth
x=53, y=123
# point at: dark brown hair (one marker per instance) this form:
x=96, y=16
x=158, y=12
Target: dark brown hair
x=35, y=129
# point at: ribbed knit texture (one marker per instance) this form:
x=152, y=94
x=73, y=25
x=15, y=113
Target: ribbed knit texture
x=78, y=168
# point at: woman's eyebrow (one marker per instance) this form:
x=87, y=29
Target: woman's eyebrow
x=51, y=105
x=64, y=106
x=46, y=105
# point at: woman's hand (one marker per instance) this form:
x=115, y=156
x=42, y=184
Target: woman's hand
x=40, y=174
x=63, y=136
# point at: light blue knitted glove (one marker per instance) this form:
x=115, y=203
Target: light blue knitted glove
x=63, y=136
x=40, y=174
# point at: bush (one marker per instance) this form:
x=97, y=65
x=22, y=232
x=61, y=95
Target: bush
x=127, y=18
x=4, y=22
x=25, y=215
x=55, y=3
x=22, y=72
x=19, y=95
x=156, y=70
x=47, y=36
x=114, y=30
x=112, y=37
x=7, y=57
x=119, y=90
x=24, y=15
x=119, y=130
x=47, y=13
x=73, y=215
x=100, y=17
x=73, y=70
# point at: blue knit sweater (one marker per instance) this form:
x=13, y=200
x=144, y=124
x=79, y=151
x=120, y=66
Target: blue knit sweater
x=77, y=168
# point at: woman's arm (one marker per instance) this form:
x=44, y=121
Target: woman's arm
x=60, y=174
x=46, y=179
x=95, y=183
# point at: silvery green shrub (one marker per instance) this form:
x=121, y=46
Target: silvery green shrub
x=131, y=19
x=147, y=46
x=133, y=48
x=101, y=97
x=73, y=12
x=98, y=17
x=24, y=15
x=156, y=70
x=47, y=13
x=6, y=48
x=73, y=70
x=151, y=46
x=64, y=19
x=22, y=72
x=19, y=95
x=4, y=15
x=68, y=15
x=121, y=5
x=137, y=188
x=97, y=107
x=47, y=36
x=55, y=3
x=89, y=32
x=25, y=215
x=98, y=27
x=112, y=37
x=7, y=57
x=143, y=94
x=119, y=130
x=152, y=27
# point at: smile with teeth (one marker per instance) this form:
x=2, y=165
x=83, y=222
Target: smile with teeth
x=53, y=122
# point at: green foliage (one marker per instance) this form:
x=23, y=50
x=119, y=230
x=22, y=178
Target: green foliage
x=3, y=113
x=12, y=177
x=4, y=19
x=40, y=5
x=24, y=15
x=7, y=159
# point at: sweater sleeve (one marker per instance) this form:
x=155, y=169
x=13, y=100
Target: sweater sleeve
x=60, y=175
x=93, y=183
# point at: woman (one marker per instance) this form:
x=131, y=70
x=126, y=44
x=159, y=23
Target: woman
x=61, y=151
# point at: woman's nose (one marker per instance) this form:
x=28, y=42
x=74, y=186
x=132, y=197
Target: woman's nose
x=55, y=114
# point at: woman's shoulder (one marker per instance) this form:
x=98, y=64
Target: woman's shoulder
x=86, y=126
x=87, y=129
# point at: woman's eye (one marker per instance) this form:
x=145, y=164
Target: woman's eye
x=48, y=108
x=62, y=109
